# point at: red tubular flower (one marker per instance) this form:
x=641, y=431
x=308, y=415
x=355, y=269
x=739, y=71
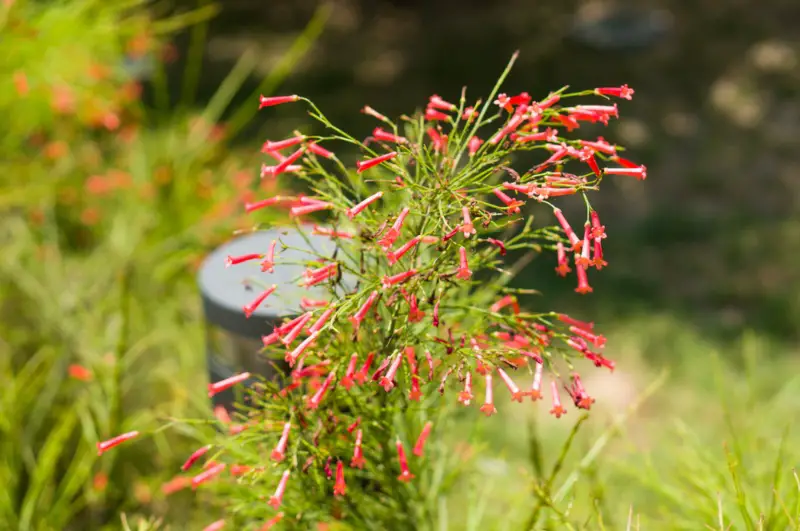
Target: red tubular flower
x=314, y=401
x=288, y=161
x=270, y=101
x=508, y=300
x=387, y=380
x=364, y=165
x=625, y=162
x=574, y=241
x=469, y=114
x=583, y=281
x=279, y=452
x=548, y=135
x=415, y=393
x=419, y=448
x=497, y=243
x=295, y=331
x=464, y=272
x=564, y=318
x=272, y=522
x=347, y=381
x=551, y=100
x=361, y=314
x=389, y=281
x=415, y=315
x=207, y=474
x=558, y=409
x=512, y=205
x=215, y=526
x=249, y=309
x=435, y=102
x=598, y=230
x=251, y=207
x=358, y=453
x=579, y=395
x=568, y=121
x=79, y=372
x=639, y=172
x=488, y=402
x=227, y=383
x=593, y=165
x=240, y=470
x=467, y=228
x=395, y=256
x=516, y=394
x=563, y=262
x=356, y=210
x=268, y=265
x=362, y=375
x=197, y=454
x=584, y=258
x=438, y=141
x=234, y=260
x=432, y=115
x=429, y=359
x=405, y=473
x=597, y=257
x=466, y=396
x=618, y=92
x=277, y=498
x=323, y=318
x=385, y=136
x=309, y=208
x=600, y=145
x=320, y=151
x=293, y=356
x=340, y=487
x=310, y=304
x=595, y=339
x=270, y=146
x=536, y=387
x=394, y=232
x=104, y=446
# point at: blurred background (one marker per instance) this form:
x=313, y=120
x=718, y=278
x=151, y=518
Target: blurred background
x=130, y=139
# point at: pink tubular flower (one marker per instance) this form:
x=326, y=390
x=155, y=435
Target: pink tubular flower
x=497, y=243
x=508, y=300
x=234, y=260
x=563, y=262
x=270, y=101
x=419, y=448
x=394, y=232
x=348, y=379
x=314, y=401
x=558, y=409
x=309, y=208
x=512, y=205
x=432, y=115
x=277, y=498
x=361, y=314
x=597, y=256
x=279, y=452
x=564, y=318
x=595, y=339
x=268, y=265
x=272, y=522
x=295, y=331
x=467, y=228
x=385, y=136
x=369, y=111
x=319, y=323
x=293, y=356
x=584, y=259
x=364, y=165
x=574, y=241
x=536, y=387
x=463, y=269
x=474, y=145
x=438, y=140
x=618, y=92
x=358, y=453
x=598, y=230
x=600, y=145
x=288, y=161
x=227, y=383
x=310, y=304
x=389, y=281
x=488, y=402
x=334, y=234
x=639, y=172
x=340, y=487
x=548, y=135
x=387, y=380
x=516, y=394
x=197, y=454
x=405, y=473
x=251, y=207
x=215, y=526
x=465, y=396
x=356, y=210
x=104, y=446
x=395, y=256
x=249, y=309
x=207, y=474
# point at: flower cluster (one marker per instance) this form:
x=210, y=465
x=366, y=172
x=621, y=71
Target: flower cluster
x=422, y=226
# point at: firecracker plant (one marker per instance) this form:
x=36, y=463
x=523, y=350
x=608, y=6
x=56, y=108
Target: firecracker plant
x=420, y=315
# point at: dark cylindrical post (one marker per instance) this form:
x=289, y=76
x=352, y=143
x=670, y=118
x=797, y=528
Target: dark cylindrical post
x=233, y=341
